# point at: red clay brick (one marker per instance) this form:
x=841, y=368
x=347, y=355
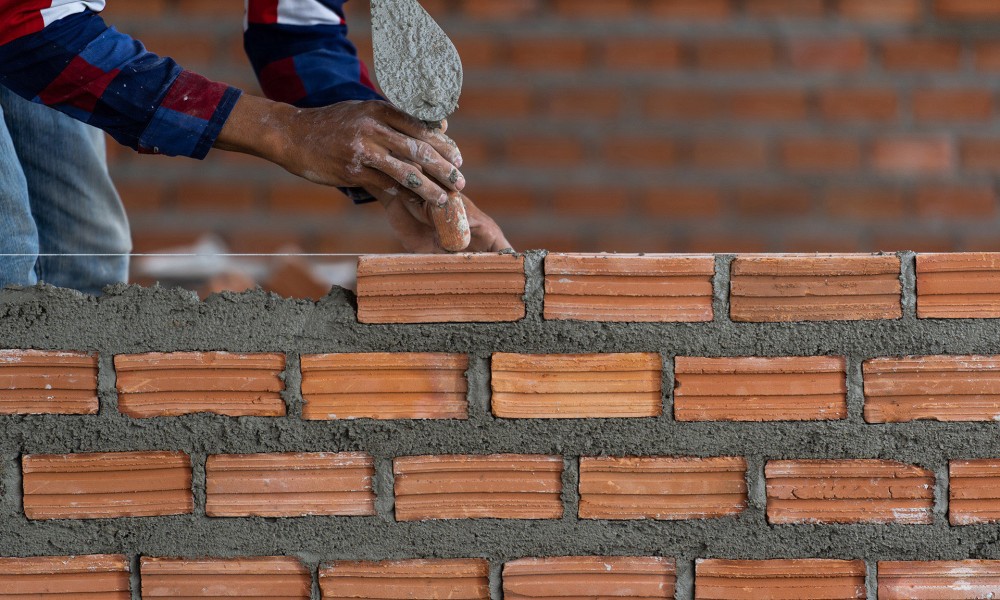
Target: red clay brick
x=590, y=577
x=662, y=488
x=868, y=104
x=967, y=10
x=642, y=53
x=629, y=288
x=844, y=287
x=38, y=382
x=493, y=10
x=543, y=151
x=550, y=54
x=987, y=55
x=590, y=201
x=180, y=383
x=973, y=491
x=781, y=201
x=203, y=196
x=735, y=54
x=493, y=103
x=440, y=289
x=576, y=386
x=742, y=154
x=821, y=154
x=636, y=152
x=385, y=386
x=846, y=54
x=913, y=155
x=502, y=486
x=468, y=579
x=107, y=485
x=66, y=577
x=940, y=388
x=270, y=576
x=874, y=204
x=678, y=10
x=785, y=8
x=803, y=579
x=981, y=154
x=307, y=198
x=929, y=580
x=958, y=286
x=683, y=104
x=589, y=103
x=848, y=491
x=915, y=54
x=883, y=11
x=953, y=105
x=769, y=105
x=956, y=202
x=682, y=202
x=809, y=388
x=290, y=485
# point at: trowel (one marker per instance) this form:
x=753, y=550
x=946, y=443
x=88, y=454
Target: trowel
x=420, y=71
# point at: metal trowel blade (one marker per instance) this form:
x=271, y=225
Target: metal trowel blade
x=417, y=65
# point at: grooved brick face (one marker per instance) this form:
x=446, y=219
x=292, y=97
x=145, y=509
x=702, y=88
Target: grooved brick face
x=760, y=389
x=180, y=383
x=502, y=486
x=629, y=288
x=974, y=491
x=467, y=579
x=967, y=9
x=941, y=388
x=385, y=386
x=290, y=485
x=804, y=579
x=835, y=287
x=662, y=488
x=440, y=289
x=277, y=578
x=42, y=382
x=107, y=485
x=66, y=577
x=958, y=286
x=848, y=491
x=589, y=577
x=577, y=386
x=930, y=580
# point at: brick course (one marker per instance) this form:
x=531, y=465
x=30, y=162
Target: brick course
x=824, y=479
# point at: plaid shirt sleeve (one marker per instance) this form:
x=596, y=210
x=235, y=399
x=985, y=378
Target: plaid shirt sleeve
x=301, y=54
x=61, y=53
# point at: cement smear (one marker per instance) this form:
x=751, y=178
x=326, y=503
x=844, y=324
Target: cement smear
x=132, y=319
x=417, y=66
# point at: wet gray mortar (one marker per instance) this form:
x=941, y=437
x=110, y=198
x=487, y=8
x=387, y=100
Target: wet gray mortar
x=129, y=319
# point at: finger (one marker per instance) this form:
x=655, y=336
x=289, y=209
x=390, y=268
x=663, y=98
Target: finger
x=414, y=235
x=411, y=177
x=415, y=128
x=426, y=157
x=486, y=234
x=444, y=125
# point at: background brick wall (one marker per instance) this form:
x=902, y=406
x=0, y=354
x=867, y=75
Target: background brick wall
x=652, y=125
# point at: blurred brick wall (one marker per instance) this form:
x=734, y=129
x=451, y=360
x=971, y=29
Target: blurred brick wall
x=653, y=125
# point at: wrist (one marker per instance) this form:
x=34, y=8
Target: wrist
x=259, y=127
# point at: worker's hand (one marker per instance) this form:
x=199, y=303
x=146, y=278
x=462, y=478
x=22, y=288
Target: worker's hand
x=410, y=219
x=371, y=145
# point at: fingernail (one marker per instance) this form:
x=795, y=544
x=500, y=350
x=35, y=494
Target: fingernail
x=443, y=200
x=458, y=161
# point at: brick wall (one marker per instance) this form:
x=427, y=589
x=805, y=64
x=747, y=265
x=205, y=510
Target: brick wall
x=655, y=426
x=647, y=125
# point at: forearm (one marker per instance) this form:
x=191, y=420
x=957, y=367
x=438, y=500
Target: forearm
x=259, y=127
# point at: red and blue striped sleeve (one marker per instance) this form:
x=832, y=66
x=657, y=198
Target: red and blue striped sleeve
x=61, y=53
x=301, y=54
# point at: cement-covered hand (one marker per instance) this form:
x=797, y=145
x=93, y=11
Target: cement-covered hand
x=367, y=144
x=409, y=167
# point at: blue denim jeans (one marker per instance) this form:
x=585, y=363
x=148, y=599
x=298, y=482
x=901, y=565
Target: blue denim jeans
x=61, y=220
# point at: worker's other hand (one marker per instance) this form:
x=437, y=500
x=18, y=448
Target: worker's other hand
x=370, y=144
x=411, y=220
